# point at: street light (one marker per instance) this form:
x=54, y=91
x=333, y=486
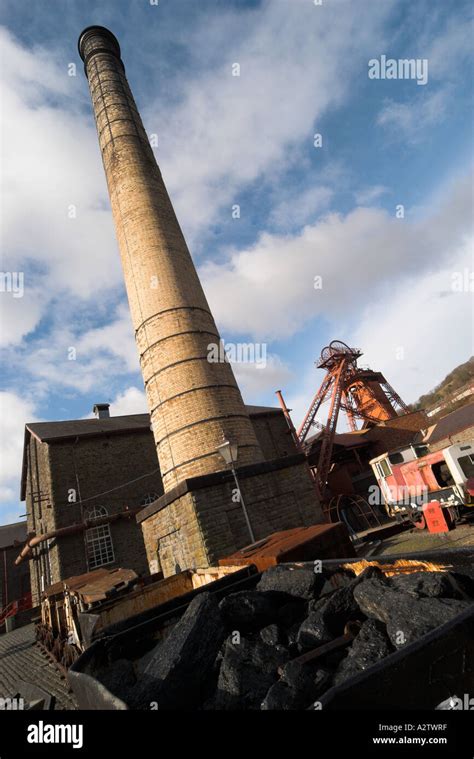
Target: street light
x=228, y=452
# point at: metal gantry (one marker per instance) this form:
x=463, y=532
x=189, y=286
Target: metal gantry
x=364, y=395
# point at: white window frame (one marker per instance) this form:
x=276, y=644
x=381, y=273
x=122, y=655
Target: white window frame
x=99, y=544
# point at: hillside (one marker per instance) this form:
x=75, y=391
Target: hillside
x=457, y=380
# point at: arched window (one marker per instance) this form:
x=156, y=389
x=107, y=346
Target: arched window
x=99, y=546
x=149, y=498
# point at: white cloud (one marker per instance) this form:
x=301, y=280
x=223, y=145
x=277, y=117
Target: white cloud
x=66, y=358
x=19, y=316
x=367, y=195
x=267, y=290
x=228, y=131
x=448, y=52
x=131, y=401
x=218, y=133
x=256, y=381
x=297, y=210
x=116, y=338
x=50, y=164
x=15, y=412
x=419, y=334
x=410, y=121
x=415, y=337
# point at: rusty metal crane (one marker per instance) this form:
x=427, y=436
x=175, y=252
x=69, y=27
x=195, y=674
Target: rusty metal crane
x=364, y=395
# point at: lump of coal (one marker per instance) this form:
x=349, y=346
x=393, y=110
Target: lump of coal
x=281, y=697
x=464, y=585
x=339, y=609
x=247, y=671
x=248, y=611
x=370, y=645
x=299, y=686
x=328, y=617
x=291, y=613
x=180, y=674
x=427, y=584
x=119, y=677
x=305, y=676
x=272, y=635
x=410, y=621
x=313, y=631
x=370, y=592
x=300, y=583
x=142, y=663
x=407, y=617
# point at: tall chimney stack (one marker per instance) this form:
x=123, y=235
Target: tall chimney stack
x=194, y=404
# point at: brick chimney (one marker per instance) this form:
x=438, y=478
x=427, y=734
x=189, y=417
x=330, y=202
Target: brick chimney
x=194, y=404
x=102, y=410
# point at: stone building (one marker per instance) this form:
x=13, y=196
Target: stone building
x=106, y=467
x=194, y=401
x=14, y=580
x=87, y=470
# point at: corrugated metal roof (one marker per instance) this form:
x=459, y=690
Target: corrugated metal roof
x=11, y=533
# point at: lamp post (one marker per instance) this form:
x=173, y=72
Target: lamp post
x=229, y=452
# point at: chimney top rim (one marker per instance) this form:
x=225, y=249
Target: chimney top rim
x=101, y=410
x=97, y=29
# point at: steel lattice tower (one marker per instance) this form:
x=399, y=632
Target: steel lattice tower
x=362, y=394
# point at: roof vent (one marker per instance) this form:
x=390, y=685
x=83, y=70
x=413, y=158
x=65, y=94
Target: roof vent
x=101, y=410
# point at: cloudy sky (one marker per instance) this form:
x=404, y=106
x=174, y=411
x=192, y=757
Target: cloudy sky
x=362, y=235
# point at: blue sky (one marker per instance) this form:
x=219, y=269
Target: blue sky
x=388, y=283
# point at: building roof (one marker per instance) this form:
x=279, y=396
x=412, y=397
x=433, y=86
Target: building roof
x=344, y=439
x=12, y=533
x=351, y=439
x=48, y=431
x=23, y=663
x=457, y=421
x=262, y=410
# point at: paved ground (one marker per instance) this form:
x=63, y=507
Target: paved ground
x=421, y=540
x=456, y=547
x=20, y=657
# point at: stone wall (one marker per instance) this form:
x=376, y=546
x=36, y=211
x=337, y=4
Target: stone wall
x=173, y=538
x=40, y=514
x=205, y=521
x=82, y=470
x=273, y=434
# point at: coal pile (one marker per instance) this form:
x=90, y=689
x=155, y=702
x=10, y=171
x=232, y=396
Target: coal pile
x=283, y=644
